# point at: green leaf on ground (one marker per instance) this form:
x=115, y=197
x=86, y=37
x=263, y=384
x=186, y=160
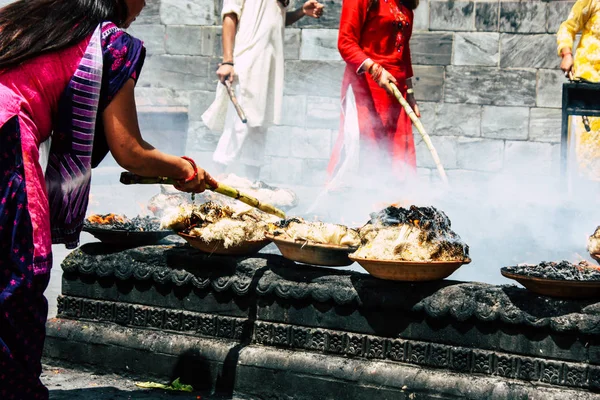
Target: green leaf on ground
x=175, y=386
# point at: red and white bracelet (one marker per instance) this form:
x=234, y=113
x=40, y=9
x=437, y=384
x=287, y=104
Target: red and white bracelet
x=193, y=164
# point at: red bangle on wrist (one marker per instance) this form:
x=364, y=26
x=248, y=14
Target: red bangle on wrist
x=193, y=164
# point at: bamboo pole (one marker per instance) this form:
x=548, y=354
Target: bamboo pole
x=417, y=122
x=128, y=178
x=235, y=102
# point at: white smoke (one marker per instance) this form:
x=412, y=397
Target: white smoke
x=506, y=219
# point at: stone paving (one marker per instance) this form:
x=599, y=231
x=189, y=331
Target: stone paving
x=75, y=383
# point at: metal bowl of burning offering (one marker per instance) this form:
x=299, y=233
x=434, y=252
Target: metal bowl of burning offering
x=593, y=245
x=314, y=242
x=244, y=248
x=306, y=252
x=562, y=279
x=118, y=230
x=410, y=244
x=409, y=271
x=220, y=229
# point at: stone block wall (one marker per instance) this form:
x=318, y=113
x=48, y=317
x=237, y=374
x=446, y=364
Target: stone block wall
x=487, y=79
x=486, y=76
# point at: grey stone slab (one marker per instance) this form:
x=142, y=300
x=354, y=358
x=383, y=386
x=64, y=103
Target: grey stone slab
x=314, y=171
x=468, y=179
x=528, y=158
x=186, y=40
x=475, y=48
x=445, y=147
x=177, y=72
x=218, y=9
x=317, y=78
x=293, y=112
x=286, y=170
x=480, y=154
x=148, y=96
x=428, y=82
x=150, y=14
x=421, y=16
x=492, y=86
x=323, y=112
x=319, y=44
x=199, y=102
x=200, y=138
x=311, y=143
x=153, y=37
x=211, y=43
x=487, y=14
x=187, y=12
x=549, y=87
x=292, y=39
x=458, y=120
x=528, y=51
x=431, y=48
x=451, y=15
x=329, y=19
x=545, y=125
x=558, y=11
x=505, y=122
x=428, y=117
x=279, y=140
x=523, y=16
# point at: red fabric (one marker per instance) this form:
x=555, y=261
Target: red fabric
x=383, y=122
x=372, y=34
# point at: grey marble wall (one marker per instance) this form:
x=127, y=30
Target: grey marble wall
x=486, y=76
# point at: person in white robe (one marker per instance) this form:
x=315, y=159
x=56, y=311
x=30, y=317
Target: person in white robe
x=253, y=37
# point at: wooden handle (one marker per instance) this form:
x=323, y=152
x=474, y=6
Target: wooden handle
x=417, y=122
x=128, y=178
x=233, y=99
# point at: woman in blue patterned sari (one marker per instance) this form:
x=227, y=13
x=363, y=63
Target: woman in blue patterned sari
x=67, y=73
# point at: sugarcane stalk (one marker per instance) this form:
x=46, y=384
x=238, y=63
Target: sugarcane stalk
x=128, y=178
x=417, y=122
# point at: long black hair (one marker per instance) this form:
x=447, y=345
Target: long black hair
x=412, y=4
x=29, y=28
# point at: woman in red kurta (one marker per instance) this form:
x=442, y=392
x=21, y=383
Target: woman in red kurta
x=373, y=38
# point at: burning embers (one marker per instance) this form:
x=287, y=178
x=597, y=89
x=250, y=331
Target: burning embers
x=564, y=270
x=411, y=234
x=213, y=222
x=297, y=229
x=121, y=222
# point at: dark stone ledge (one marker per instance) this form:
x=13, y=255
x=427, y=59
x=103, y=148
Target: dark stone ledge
x=270, y=275
x=174, y=292
x=345, y=367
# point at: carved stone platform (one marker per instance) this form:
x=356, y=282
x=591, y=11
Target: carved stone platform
x=265, y=327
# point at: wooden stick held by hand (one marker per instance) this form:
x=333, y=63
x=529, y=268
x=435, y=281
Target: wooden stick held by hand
x=417, y=122
x=233, y=99
x=128, y=178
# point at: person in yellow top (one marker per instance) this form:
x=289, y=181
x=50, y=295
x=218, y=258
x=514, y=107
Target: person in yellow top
x=584, y=18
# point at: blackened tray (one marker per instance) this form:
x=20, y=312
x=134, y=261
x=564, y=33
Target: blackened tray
x=127, y=238
x=556, y=287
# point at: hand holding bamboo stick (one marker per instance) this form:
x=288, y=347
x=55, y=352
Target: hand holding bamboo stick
x=128, y=178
